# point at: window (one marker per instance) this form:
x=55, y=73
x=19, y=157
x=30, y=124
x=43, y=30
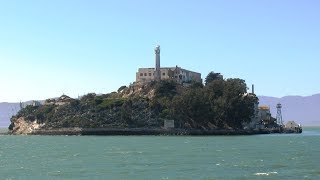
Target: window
x=141, y=74
x=163, y=74
x=149, y=74
x=145, y=74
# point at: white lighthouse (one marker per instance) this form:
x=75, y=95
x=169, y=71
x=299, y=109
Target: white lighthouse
x=157, y=73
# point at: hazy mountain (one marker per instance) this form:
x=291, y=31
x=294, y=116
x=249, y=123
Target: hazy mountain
x=303, y=110
x=9, y=109
x=6, y=111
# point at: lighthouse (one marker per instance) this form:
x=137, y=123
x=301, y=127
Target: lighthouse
x=157, y=73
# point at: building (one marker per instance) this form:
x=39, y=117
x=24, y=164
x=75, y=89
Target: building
x=36, y=103
x=179, y=74
x=262, y=118
x=264, y=113
x=168, y=124
x=292, y=125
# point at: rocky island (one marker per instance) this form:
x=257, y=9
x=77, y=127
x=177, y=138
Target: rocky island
x=162, y=100
x=220, y=106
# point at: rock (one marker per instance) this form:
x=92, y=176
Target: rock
x=21, y=126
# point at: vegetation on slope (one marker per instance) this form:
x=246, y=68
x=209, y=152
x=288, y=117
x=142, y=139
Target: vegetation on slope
x=219, y=104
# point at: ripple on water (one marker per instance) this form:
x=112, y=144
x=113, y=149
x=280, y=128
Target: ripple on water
x=54, y=173
x=266, y=173
x=279, y=166
x=314, y=172
x=46, y=157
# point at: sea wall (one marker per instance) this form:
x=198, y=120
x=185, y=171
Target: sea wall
x=145, y=131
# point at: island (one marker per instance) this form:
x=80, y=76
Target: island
x=165, y=107
x=162, y=101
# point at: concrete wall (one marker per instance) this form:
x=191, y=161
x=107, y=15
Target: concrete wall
x=168, y=124
x=145, y=75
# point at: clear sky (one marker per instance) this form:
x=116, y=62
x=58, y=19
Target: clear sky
x=73, y=47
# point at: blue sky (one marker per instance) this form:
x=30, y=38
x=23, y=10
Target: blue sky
x=50, y=48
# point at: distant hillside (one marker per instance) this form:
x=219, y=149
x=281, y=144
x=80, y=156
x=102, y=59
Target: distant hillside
x=6, y=111
x=303, y=110
x=9, y=109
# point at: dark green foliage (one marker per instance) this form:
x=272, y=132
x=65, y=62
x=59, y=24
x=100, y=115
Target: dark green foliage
x=166, y=88
x=219, y=104
x=11, y=126
x=27, y=112
x=195, y=84
x=212, y=77
x=111, y=102
x=191, y=109
x=121, y=88
x=88, y=97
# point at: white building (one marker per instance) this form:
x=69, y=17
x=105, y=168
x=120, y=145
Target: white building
x=179, y=74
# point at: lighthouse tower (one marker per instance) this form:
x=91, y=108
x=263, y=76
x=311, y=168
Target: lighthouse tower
x=279, y=115
x=157, y=73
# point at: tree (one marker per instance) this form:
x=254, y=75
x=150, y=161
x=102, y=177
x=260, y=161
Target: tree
x=212, y=77
x=192, y=107
x=240, y=106
x=121, y=88
x=196, y=84
x=166, y=88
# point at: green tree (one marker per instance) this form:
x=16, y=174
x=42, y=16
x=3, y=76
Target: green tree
x=121, y=88
x=239, y=105
x=213, y=76
x=191, y=107
x=166, y=88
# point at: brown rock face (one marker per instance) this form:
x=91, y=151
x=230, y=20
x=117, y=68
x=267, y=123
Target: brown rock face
x=21, y=126
x=138, y=89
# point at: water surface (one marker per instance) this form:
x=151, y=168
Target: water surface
x=291, y=156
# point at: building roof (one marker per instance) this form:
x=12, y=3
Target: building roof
x=264, y=108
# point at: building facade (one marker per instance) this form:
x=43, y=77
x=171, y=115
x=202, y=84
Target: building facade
x=159, y=73
x=177, y=73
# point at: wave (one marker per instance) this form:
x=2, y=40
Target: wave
x=266, y=173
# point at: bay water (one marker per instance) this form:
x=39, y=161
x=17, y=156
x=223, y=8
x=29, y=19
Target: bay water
x=275, y=156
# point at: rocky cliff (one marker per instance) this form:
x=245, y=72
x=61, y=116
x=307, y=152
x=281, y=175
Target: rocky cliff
x=21, y=126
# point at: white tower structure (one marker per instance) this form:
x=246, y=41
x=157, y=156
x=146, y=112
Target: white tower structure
x=279, y=115
x=157, y=73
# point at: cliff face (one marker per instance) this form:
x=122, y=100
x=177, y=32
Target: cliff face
x=21, y=126
x=138, y=89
